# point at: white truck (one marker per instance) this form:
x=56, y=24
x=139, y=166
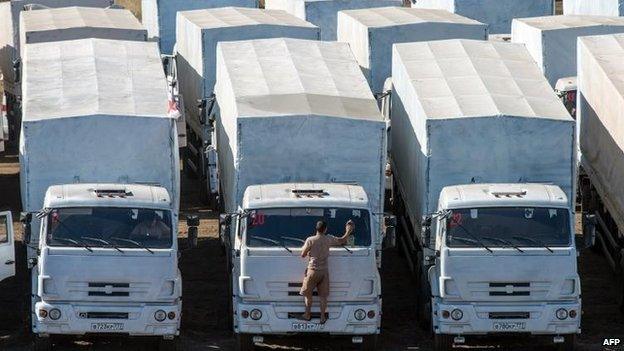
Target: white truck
x=100, y=190
x=159, y=17
x=483, y=157
x=9, y=50
x=593, y=7
x=600, y=135
x=299, y=138
x=198, y=33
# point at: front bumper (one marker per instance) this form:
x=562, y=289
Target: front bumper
x=279, y=319
x=479, y=318
x=85, y=318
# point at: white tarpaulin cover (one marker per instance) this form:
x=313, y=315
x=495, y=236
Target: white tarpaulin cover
x=9, y=27
x=498, y=14
x=601, y=117
x=95, y=111
x=323, y=13
x=296, y=110
x=159, y=16
x=371, y=33
x=69, y=23
x=593, y=7
x=199, y=31
x=467, y=111
x=551, y=40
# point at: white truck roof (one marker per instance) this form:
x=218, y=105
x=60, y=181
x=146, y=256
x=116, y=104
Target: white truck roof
x=93, y=77
x=293, y=110
x=502, y=195
x=271, y=77
x=199, y=31
x=68, y=23
x=371, y=32
x=286, y=195
x=323, y=13
x=498, y=14
x=593, y=7
x=470, y=78
x=102, y=105
x=551, y=40
x=468, y=111
x=159, y=16
x=107, y=195
x=9, y=28
x=601, y=102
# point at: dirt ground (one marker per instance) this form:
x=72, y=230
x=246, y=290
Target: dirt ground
x=203, y=271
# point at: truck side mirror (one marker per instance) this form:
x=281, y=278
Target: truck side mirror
x=589, y=233
x=390, y=223
x=426, y=230
x=26, y=218
x=192, y=222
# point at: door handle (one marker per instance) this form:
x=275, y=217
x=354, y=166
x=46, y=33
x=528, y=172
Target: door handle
x=9, y=262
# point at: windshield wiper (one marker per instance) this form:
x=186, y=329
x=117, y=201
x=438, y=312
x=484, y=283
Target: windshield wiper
x=534, y=242
x=136, y=243
x=102, y=241
x=275, y=242
x=292, y=239
x=75, y=243
x=503, y=241
x=346, y=248
x=476, y=238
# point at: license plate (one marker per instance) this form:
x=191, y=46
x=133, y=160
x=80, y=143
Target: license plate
x=306, y=327
x=107, y=327
x=509, y=326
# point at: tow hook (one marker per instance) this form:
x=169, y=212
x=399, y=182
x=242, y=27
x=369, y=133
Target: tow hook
x=459, y=340
x=357, y=339
x=258, y=339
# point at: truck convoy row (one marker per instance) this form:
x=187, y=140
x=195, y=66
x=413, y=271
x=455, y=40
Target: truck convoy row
x=287, y=131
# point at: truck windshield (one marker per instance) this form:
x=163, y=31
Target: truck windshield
x=109, y=227
x=291, y=227
x=508, y=227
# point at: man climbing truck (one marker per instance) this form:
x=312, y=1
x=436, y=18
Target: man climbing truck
x=484, y=187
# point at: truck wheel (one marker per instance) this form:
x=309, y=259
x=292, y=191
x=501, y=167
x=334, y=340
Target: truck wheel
x=569, y=343
x=442, y=342
x=244, y=342
x=42, y=344
x=167, y=345
x=369, y=343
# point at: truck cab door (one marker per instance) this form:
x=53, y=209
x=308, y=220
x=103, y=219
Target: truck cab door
x=7, y=246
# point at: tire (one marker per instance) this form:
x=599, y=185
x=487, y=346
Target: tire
x=369, y=343
x=442, y=342
x=244, y=342
x=167, y=345
x=569, y=343
x=42, y=344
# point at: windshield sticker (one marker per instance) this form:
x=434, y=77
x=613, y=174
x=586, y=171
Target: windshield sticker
x=456, y=219
x=356, y=213
x=552, y=212
x=474, y=213
x=257, y=219
x=528, y=213
x=332, y=213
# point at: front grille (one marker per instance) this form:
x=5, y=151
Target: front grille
x=296, y=292
x=103, y=315
x=297, y=315
x=510, y=315
x=510, y=289
x=108, y=289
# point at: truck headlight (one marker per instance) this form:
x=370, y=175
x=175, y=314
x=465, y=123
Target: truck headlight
x=561, y=314
x=160, y=315
x=255, y=314
x=360, y=314
x=457, y=314
x=55, y=314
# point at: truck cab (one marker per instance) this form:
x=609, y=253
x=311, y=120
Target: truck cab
x=267, y=234
x=106, y=263
x=503, y=259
